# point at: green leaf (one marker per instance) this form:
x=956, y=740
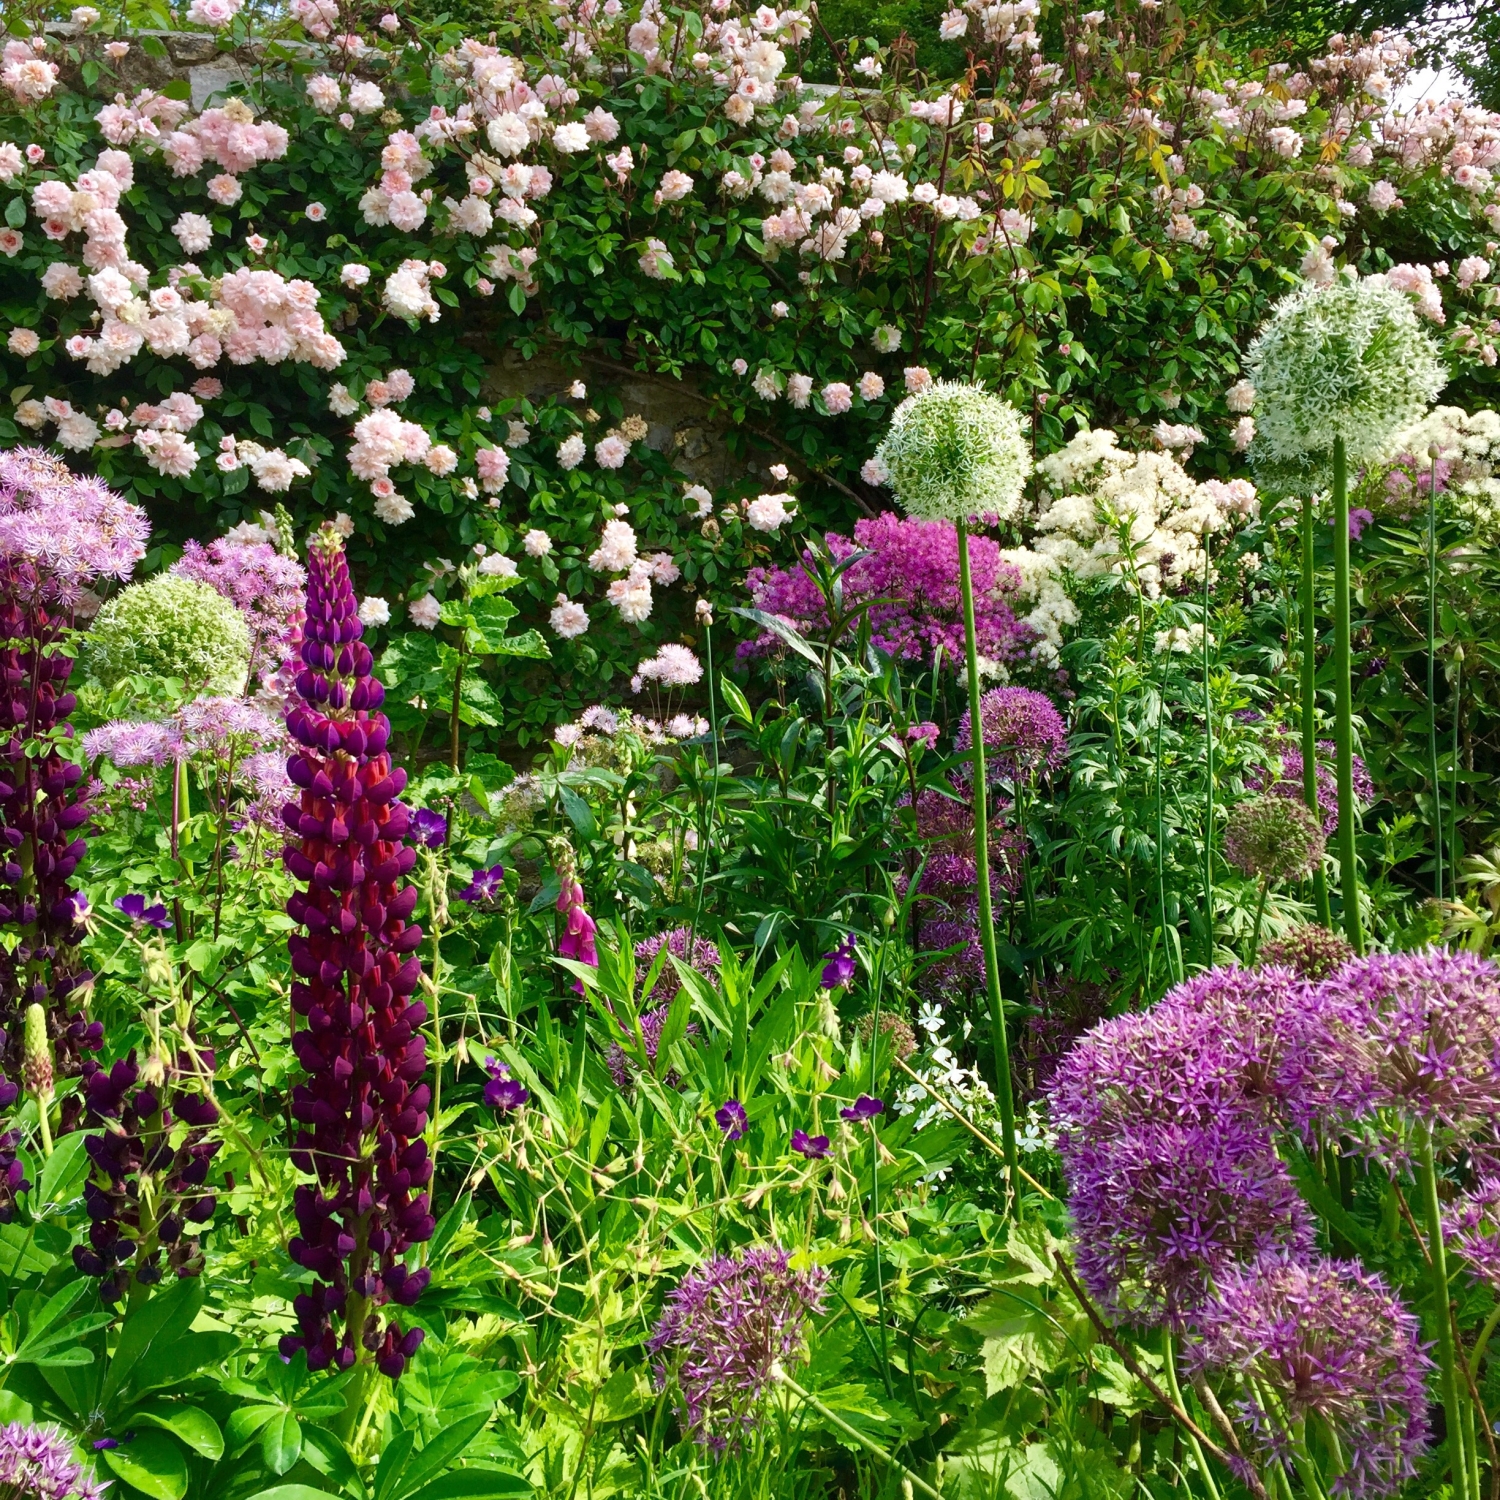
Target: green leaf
x=281, y=1442
x=173, y=1359
x=15, y=213
x=443, y=1450
x=475, y=1484
x=61, y=1179
x=393, y=1464
x=190, y=1423
x=580, y=814
x=291, y=1492
x=153, y=1463
x=246, y=1421
x=165, y=1316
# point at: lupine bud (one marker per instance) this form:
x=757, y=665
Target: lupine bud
x=363, y=1109
x=36, y=1062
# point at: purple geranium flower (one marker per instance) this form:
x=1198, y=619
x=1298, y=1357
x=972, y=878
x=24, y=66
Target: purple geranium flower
x=838, y=971
x=813, y=1146
x=503, y=1093
x=134, y=906
x=732, y=1119
x=863, y=1108
x=484, y=885
x=429, y=828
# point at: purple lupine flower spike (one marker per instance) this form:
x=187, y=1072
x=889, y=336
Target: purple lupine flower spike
x=58, y=534
x=362, y=1111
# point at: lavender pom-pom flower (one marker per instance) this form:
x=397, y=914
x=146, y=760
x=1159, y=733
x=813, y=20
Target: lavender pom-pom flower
x=725, y=1328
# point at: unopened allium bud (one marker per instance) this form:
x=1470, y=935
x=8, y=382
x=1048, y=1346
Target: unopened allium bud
x=1273, y=838
x=1311, y=950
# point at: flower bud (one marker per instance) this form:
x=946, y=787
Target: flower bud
x=36, y=1055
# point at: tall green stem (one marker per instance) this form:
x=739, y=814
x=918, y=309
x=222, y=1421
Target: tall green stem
x=1169, y=1369
x=1455, y=853
x=1343, y=675
x=1432, y=737
x=1307, y=607
x=982, y=877
x=1443, y=1325
x=1208, y=728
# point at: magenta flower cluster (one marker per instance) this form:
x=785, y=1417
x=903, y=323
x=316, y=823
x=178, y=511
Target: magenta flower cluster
x=910, y=579
x=155, y=1132
x=724, y=1328
x=362, y=1112
x=1287, y=780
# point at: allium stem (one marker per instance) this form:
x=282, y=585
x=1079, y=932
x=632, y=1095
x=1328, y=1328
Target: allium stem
x=1308, y=610
x=1447, y=1358
x=1432, y=743
x=1343, y=682
x=1260, y=916
x=1208, y=729
x=1169, y=1369
x=856, y=1436
x=1456, y=852
x=982, y=880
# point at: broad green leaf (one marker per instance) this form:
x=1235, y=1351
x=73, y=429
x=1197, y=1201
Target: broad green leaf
x=152, y=1462
x=393, y=1464
x=62, y=1177
x=475, y=1484
x=246, y=1421
x=191, y=1423
x=443, y=1450
x=165, y=1316
x=281, y=1442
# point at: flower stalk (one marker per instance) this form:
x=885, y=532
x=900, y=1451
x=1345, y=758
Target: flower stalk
x=1343, y=678
x=1003, y=1093
x=1447, y=1355
x=1307, y=608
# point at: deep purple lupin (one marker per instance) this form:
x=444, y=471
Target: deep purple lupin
x=362, y=1111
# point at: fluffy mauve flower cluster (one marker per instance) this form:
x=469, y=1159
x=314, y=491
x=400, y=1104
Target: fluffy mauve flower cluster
x=1273, y=838
x=705, y=959
x=363, y=1109
x=265, y=584
x=57, y=534
x=724, y=1328
x=912, y=571
x=1322, y=1339
x=150, y=1162
x=1024, y=735
x=38, y=1463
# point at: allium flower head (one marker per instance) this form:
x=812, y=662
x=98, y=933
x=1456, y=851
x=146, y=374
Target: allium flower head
x=1323, y=1340
x=725, y=1327
x=1024, y=735
x=171, y=626
x=1313, y=951
x=38, y=1463
x=1348, y=360
x=1428, y=1030
x=1273, y=838
x=954, y=451
x=704, y=958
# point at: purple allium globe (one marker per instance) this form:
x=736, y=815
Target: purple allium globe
x=705, y=959
x=1326, y=1342
x=1065, y=1008
x=1273, y=839
x=1311, y=950
x=1428, y=1026
x=622, y=1067
x=1163, y=1210
x=1286, y=779
x=722, y=1331
x=1025, y=737
x=37, y=1463
x=1471, y=1227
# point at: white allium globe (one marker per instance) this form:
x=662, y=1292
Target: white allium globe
x=1348, y=360
x=955, y=451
